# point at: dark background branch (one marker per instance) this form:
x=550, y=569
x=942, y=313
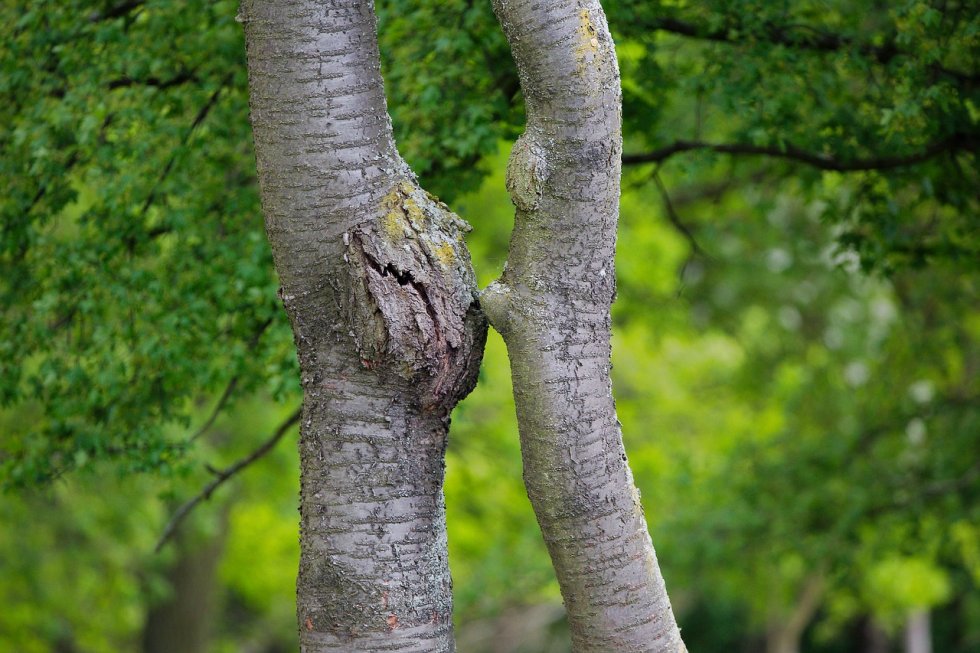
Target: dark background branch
x=222, y=475
x=824, y=162
x=803, y=37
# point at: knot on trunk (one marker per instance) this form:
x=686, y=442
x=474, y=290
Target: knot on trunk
x=413, y=309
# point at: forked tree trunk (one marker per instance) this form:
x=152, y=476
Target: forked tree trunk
x=552, y=307
x=378, y=286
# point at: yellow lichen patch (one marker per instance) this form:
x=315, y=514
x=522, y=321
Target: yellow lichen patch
x=588, y=38
x=393, y=222
x=444, y=253
x=436, y=200
x=414, y=213
x=393, y=216
x=401, y=213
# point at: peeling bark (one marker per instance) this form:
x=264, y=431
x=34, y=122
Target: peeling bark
x=552, y=306
x=377, y=283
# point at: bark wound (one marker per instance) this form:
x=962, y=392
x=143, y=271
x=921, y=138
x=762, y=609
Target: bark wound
x=527, y=170
x=412, y=307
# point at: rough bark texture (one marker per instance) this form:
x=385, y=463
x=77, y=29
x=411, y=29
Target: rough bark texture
x=378, y=286
x=552, y=307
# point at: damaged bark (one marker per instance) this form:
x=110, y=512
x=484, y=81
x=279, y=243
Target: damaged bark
x=378, y=286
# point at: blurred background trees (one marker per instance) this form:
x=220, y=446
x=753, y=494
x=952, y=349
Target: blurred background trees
x=796, y=354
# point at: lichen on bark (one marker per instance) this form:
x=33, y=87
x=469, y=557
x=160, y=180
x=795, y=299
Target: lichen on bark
x=378, y=287
x=412, y=305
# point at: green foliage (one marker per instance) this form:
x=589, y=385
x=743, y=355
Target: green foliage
x=452, y=88
x=889, y=96
x=129, y=173
x=897, y=585
x=62, y=580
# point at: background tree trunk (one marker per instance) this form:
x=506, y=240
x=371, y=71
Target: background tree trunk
x=875, y=638
x=185, y=620
x=377, y=283
x=918, y=632
x=552, y=307
x=786, y=627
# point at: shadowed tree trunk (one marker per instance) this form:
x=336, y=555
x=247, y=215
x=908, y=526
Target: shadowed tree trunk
x=875, y=638
x=552, y=307
x=786, y=627
x=378, y=286
x=184, y=622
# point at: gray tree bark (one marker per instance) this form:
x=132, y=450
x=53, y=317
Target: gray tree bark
x=552, y=306
x=377, y=283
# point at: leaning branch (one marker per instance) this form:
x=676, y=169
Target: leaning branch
x=927, y=492
x=792, y=153
x=222, y=475
x=182, y=77
x=117, y=11
x=675, y=219
x=220, y=406
x=803, y=37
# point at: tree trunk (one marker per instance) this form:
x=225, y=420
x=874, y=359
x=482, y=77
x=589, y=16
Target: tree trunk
x=918, y=632
x=184, y=622
x=377, y=283
x=552, y=306
x=875, y=637
x=785, y=632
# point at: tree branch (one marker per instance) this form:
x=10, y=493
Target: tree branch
x=676, y=219
x=117, y=11
x=230, y=388
x=803, y=37
x=130, y=240
x=198, y=119
x=791, y=152
x=220, y=406
x=180, y=78
x=222, y=475
x=932, y=490
x=813, y=38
